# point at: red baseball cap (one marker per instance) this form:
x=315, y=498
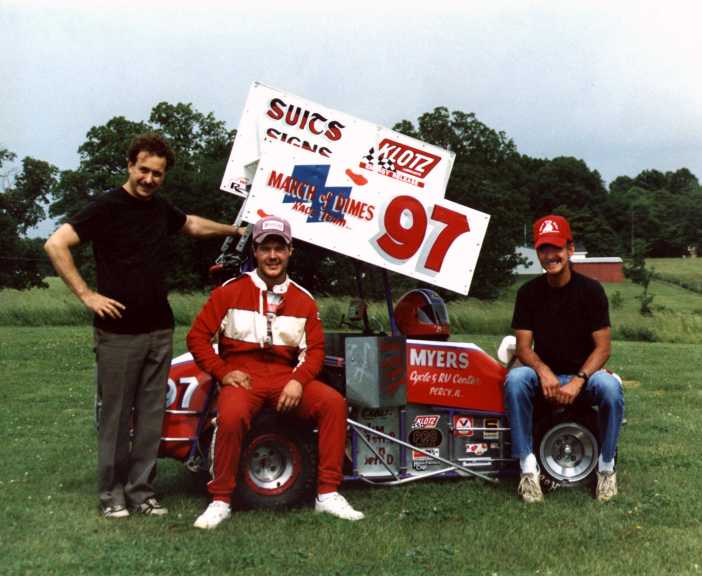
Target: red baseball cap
x=552, y=229
x=271, y=226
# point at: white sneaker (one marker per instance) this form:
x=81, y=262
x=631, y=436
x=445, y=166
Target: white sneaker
x=115, y=511
x=336, y=505
x=216, y=513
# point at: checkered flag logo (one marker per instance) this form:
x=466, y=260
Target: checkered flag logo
x=380, y=161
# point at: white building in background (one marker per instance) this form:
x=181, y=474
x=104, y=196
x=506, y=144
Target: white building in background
x=533, y=267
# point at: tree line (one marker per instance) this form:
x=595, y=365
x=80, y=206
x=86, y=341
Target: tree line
x=654, y=213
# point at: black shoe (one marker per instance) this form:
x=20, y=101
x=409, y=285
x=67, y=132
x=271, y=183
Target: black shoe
x=150, y=507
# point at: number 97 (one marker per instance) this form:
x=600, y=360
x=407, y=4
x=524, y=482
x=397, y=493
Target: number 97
x=402, y=243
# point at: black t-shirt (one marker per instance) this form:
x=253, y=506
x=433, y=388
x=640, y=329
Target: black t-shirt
x=562, y=319
x=129, y=239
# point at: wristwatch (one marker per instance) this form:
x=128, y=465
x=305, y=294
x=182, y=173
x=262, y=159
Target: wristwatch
x=584, y=375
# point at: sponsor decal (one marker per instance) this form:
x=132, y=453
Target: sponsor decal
x=429, y=421
x=426, y=437
x=240, y=185
x=477, y=448
x=463, y=425
x=433, y=358
x=419, y=457
x=307, y=122
x=491, y=423
x=440, y=372
x=400, y=162
x=306, y=189
x=298, y=117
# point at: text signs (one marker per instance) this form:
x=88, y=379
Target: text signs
x=368, y=216
x=293, y=123
x=454, y=374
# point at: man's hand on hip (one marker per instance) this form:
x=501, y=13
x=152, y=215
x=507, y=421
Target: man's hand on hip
x=102, y=305
x=238, y=379
x=290, y=396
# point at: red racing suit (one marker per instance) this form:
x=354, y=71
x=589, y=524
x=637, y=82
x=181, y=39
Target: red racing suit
x=274, y=339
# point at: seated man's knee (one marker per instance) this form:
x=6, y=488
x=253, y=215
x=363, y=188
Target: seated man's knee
x=332, y=399
x=520, y=381
x=327, y=400
x=608, y=386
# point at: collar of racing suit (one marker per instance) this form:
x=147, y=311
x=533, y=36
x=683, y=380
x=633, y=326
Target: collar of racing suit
x=264, y=307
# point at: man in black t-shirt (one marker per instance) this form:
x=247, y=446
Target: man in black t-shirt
x=565, y=316
x=129, y=228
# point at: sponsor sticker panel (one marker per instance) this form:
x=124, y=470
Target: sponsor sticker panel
x=368, y=217
x=294, y=123
x=386, y=421
x=453, y=374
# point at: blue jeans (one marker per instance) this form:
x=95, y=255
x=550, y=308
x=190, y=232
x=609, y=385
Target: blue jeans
x=602, y=390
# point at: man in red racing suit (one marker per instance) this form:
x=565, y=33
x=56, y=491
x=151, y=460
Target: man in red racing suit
x=271, y=347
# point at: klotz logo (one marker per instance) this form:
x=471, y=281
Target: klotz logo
x=400, y=161
x=425, y=422
x=549, y=227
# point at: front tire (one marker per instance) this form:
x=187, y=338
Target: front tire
x=277, y=466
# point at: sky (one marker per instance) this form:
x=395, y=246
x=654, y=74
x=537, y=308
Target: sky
x=616, y=84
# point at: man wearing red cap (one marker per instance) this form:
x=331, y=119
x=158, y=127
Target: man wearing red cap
x=565, y=316
x=271, y=347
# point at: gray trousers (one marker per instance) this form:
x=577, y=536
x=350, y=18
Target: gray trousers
x=132, y=372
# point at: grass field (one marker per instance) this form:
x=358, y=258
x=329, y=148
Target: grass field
x=682, y=271
x=50, y=524
x=677, y=312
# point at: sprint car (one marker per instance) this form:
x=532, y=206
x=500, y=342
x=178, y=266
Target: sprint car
x=420, y=407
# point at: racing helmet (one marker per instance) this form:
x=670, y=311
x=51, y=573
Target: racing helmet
x=422, y=313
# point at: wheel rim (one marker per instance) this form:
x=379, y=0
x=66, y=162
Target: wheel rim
x=272, y=464
x=568, y=452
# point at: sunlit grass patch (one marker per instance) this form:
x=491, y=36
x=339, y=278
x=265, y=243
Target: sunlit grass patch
x=51, y=523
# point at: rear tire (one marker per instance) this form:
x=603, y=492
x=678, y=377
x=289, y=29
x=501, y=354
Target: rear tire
x=278, y=464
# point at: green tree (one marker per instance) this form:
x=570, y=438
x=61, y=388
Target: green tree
x=564, y=181
x=590, y=231
x=682, y=181
x=661, y=208
x=635, y=269
x=682, y=223
x=20, y=209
